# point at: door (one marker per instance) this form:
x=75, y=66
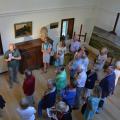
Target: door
x=67, y=26
x=1, y=48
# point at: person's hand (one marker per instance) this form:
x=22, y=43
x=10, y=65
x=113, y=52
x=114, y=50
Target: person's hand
x=12, y=57
x=54, y=117
x=9, y=59
x=69, y=67
x=44, y=51
x=56, y=71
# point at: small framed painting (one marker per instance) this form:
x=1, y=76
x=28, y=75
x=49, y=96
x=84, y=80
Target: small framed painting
x=23, y=29
x=54, y=25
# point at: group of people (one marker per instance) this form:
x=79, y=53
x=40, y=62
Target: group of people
x=76, y=89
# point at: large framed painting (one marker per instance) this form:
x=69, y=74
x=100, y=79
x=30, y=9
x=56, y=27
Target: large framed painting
x=103, y=38
x=23, y=29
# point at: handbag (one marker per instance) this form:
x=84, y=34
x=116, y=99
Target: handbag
x=100, y=105
x=83, y=108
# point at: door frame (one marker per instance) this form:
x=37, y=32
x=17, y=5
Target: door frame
x=67, y=19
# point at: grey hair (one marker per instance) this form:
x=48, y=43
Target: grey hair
x=28, y=72
x=61, y=106
x=117, y=64
x=24, y=103
x=51, y=81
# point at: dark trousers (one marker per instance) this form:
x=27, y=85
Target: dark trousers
x=40, y=105
x=12, y=71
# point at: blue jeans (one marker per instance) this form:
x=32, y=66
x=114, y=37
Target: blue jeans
x=78, y=96
x=12, y=71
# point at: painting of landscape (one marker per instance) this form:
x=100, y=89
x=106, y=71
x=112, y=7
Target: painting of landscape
x=102, y=38
x=23, y=29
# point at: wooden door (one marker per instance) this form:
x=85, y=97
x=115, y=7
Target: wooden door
x=70, y=27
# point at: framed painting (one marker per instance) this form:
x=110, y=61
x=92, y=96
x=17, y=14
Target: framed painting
x=23, y=29
x=54, y=25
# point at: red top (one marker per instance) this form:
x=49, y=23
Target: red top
x=29, y=85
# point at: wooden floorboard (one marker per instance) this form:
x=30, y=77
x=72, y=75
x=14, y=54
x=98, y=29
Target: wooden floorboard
x=13, y=96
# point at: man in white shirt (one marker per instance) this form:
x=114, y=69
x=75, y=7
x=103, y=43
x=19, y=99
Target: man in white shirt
x=80, y=83
x=117, y=72
x=25, y=111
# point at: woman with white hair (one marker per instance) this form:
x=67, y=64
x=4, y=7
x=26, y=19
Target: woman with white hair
x=61, y=112
x=117, y=71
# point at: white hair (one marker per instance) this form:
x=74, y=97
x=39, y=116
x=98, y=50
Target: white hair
x=117, y=64
x=50, y=81
x=62, y=106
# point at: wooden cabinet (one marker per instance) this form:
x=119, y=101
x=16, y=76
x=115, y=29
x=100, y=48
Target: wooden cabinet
x=31, y=54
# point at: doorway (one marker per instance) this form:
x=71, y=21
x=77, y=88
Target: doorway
x=1, y=47
x=67, y=26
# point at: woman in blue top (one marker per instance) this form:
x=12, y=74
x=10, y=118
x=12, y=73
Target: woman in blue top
x=92, y=104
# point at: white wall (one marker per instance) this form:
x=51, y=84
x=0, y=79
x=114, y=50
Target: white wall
x=106, y=12
x=42, y=13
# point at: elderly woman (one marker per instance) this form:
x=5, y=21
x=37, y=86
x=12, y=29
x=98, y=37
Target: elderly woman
x=61, y=79
x=92, y=104
x=25, y=111
x=61, y=112
x=48, y=99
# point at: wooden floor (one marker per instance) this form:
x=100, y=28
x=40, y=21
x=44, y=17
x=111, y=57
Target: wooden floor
x=12, y=97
